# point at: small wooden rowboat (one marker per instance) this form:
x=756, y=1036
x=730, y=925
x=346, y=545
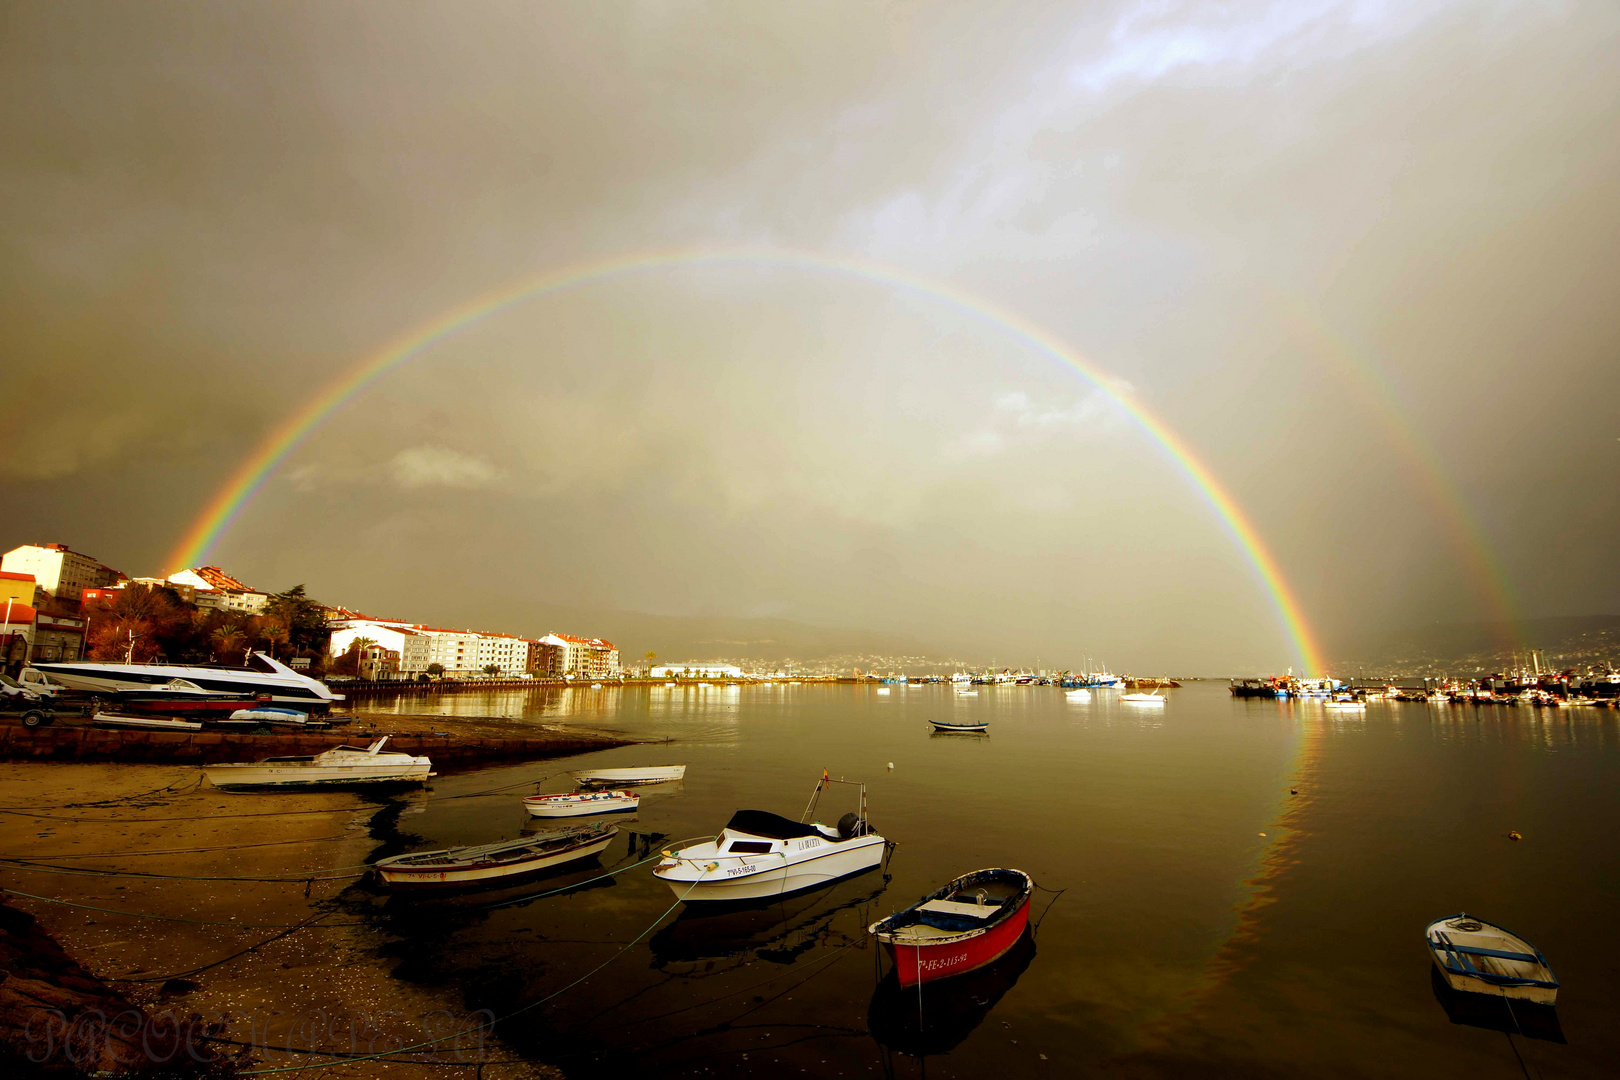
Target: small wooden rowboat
x=493, y=863
x=974, y=726
x=657, y=774
x=1476, y=957
x=580, y=803
x=969, y=923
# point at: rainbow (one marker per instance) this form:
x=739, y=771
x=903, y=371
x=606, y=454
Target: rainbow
x=227, y=504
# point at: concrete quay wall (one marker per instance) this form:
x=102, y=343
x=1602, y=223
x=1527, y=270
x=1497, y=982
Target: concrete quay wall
x=87, y=744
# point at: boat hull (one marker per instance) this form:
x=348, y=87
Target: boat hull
x=926, y=963
x=255, y=777
x=620, y=777
x=760, y=881
x=1477, y=957
x=145, y=723
x=940, y=725
x=461, y=877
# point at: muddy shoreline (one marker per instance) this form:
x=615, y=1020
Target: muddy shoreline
x=253, y=937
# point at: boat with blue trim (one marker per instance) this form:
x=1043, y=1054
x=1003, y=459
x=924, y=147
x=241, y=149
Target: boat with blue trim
x=1477, y=957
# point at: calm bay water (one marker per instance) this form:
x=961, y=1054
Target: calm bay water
x=1209, y=921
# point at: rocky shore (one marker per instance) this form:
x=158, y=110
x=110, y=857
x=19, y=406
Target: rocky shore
x=135, y=892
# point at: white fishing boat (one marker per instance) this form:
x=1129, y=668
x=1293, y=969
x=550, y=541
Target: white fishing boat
x=760, y=855
x=657, y=774
x=581, y=803
x=488, y=863
x=1154, y=698
x=1078, y=697
x=339, y=766
x=145, y=723
x=1476, y=957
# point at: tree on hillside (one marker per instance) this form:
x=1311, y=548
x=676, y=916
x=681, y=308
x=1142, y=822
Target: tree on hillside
x=151, y=619
x=304, y=619
x=229, y=641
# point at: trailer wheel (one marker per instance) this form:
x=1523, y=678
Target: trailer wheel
x=33, y=718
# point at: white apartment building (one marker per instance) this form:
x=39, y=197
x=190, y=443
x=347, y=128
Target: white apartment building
x=462, y=653
x=214, y=588
x=562, y=655
x=60, y=571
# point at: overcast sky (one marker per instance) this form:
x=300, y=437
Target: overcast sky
x=1361, y=257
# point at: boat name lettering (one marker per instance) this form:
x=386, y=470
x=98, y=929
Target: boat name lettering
x=805, y=845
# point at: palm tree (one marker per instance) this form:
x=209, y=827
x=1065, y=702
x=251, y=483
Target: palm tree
x=274, y=632
x=228, y=638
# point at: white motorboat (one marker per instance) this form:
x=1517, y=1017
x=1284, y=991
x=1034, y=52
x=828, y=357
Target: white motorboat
x=760, y=855
x=262, y=676
x=1344, y=703
x=1154, y=698
x=657, y=774
x=580, y=803
x=1476, y=957
x=493, y=863
x=339, y=766
x=1078, y=697
x=145, y=723
x=269, y=714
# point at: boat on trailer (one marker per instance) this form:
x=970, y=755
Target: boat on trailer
x=581, y=803
x=338, y=767
x=656, y=774
x=760, y=855
x=498, y=862
x=1477, y=957
x=965, y=925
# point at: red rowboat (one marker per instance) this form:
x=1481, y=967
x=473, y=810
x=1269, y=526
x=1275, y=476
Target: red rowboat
x=969, y=923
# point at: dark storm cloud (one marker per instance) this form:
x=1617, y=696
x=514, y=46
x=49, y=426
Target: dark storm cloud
x=1293, y=228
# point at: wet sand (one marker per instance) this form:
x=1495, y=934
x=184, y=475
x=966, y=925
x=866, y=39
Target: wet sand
x=325, y=986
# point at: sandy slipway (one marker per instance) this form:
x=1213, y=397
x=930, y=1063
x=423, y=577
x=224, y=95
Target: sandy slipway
x=300, y=972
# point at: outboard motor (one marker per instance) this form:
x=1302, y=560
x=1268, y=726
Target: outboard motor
x=849, y=826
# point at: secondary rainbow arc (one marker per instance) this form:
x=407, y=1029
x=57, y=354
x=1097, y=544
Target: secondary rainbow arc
x=226, y=506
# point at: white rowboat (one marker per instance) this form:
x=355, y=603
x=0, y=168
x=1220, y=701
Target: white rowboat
x=339, y=766
x=1078, y=697
x=658, y=774
x=495, y=862
x=1477, y=957
x=581, y=803
x=145, y=723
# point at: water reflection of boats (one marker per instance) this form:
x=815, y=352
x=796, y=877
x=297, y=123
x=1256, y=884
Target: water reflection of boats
x=779, y=931
x=950, y=1010
x=978, y=733
x=1495, y=1014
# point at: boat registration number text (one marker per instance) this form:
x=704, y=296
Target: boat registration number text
x=736, y=871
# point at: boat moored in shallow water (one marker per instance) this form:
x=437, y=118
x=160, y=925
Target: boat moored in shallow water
x=494, y=863
x=655, y=774
x=1477, y=957
x=1155, y=698
x=967, y=924
x=581, y=803
x=970, y=726
x=760, y=855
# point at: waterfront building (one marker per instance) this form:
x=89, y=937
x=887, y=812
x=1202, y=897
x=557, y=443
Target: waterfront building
x=461, y=653
x=214, y=588
x=60, y=571
x=697, y=669
x=562, y=655
x=28, y=634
